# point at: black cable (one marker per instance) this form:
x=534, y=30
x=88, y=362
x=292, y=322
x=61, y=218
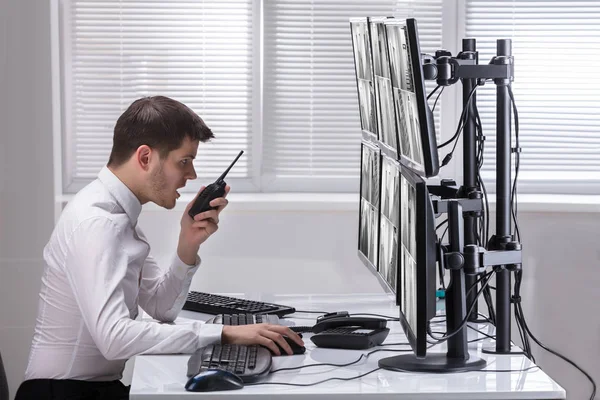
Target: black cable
x=510, y=370
x=513, y=197
x=312, y=384
x=462, y=119
x=441, y=223
x=444, y=234
x=562, y=357
x=346, y=364
x=433, y=92
x=436, y=99
x=464, y=321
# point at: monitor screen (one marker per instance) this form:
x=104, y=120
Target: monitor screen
x=415, y=292
x=414, y=120
x=389, y=222
x=368, y=236
x=361, y=45
x=388, y=132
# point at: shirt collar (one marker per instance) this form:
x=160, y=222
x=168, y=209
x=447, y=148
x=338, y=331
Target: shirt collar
x=124, y=196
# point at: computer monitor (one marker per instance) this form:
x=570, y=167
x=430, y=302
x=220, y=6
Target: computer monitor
x=414, y=119
x=417, y=260
x=389, y=223
x=384, y=100
x=361, y=44
x=368, y=236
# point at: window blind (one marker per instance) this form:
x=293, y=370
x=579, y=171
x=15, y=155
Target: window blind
x=311, y=117
x=556, y=51
x=197, y=52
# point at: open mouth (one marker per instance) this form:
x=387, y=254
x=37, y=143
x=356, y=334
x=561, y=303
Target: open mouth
x=178, y=195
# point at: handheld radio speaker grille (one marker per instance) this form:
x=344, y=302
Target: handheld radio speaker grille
x=211, y=192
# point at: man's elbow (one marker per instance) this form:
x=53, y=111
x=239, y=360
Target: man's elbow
x=167, y=316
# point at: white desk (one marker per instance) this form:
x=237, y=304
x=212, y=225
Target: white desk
x=163, y=377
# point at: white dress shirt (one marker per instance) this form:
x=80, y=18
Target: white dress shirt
x=98, y=270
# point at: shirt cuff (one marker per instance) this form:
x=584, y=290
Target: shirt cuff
x=209, y=334
x=182, y=270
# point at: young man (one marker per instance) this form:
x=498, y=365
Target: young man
x=99, y=268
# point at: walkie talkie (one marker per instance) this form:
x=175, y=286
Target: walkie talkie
x=211, y=192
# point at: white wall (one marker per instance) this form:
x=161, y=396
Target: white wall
x=254, y=251
x=26, y=179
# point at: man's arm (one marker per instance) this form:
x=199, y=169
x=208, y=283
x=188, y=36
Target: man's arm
x=163, y=293
x=96, y=265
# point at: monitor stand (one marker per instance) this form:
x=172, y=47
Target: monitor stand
x=457, y=359
x=435, y=363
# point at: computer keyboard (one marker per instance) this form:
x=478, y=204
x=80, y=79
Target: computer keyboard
x=244, y=319
x=217, y=304
x=250, y=363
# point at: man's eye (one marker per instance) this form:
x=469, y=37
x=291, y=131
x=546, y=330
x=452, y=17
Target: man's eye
x=184, y=162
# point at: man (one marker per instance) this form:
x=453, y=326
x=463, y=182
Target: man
x=99, y=268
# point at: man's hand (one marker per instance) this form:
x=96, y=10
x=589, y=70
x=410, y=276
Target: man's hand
x=263, y=334
x=195, y=231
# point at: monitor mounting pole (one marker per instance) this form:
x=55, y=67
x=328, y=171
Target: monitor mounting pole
x=447, y=70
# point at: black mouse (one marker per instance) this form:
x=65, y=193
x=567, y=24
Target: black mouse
x=212, y=380
x=296, y=348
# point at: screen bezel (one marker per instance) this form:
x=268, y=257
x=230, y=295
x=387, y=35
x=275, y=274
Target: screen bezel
x=431, y=161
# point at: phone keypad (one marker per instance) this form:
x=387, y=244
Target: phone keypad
x=349, y=331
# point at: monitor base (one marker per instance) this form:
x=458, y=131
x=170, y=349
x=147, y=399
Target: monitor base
x=437, y=363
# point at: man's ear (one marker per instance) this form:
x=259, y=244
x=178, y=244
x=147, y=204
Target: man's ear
x=144, y=156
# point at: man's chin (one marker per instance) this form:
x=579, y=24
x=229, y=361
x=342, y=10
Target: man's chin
x=167, y=204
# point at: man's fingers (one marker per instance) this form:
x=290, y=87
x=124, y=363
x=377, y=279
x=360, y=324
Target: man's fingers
x=187, y=208
x=285, y=331
x=276, y=337
x=220, y=202
x=210, y=226
x=268, y=343
x=206, y=215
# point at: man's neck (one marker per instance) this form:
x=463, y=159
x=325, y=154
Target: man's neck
x=130, y=181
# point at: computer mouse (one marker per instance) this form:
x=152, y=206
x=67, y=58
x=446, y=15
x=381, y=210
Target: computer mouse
x=213, y=380
x=296, y=348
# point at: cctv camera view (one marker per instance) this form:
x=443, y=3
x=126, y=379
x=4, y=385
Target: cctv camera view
x=389, y=222
x=369, y=203
x=383, y=82
x=408, y=252
x=364, y=76
x=404, y=96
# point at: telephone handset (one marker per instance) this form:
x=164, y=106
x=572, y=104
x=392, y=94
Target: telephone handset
x=341, y=331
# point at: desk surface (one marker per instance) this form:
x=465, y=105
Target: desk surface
x=159, y=377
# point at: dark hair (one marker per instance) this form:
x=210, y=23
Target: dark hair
x=158, y=122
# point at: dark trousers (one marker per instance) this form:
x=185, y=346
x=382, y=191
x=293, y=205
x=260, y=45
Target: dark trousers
x=69, y=389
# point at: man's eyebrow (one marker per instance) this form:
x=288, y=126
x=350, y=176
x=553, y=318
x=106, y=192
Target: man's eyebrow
x=192, y=156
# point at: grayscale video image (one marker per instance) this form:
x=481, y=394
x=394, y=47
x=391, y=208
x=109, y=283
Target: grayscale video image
x=389, y=221
x=388, y=254
x=368, y=231
x=390, y=190
x=369, y=180
x=408, y=238
x=387, y=117
x=375, y=47
x=405, y=127
x=399, y=57
x=415, y=138
x=366, y=103
x=362, y=50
